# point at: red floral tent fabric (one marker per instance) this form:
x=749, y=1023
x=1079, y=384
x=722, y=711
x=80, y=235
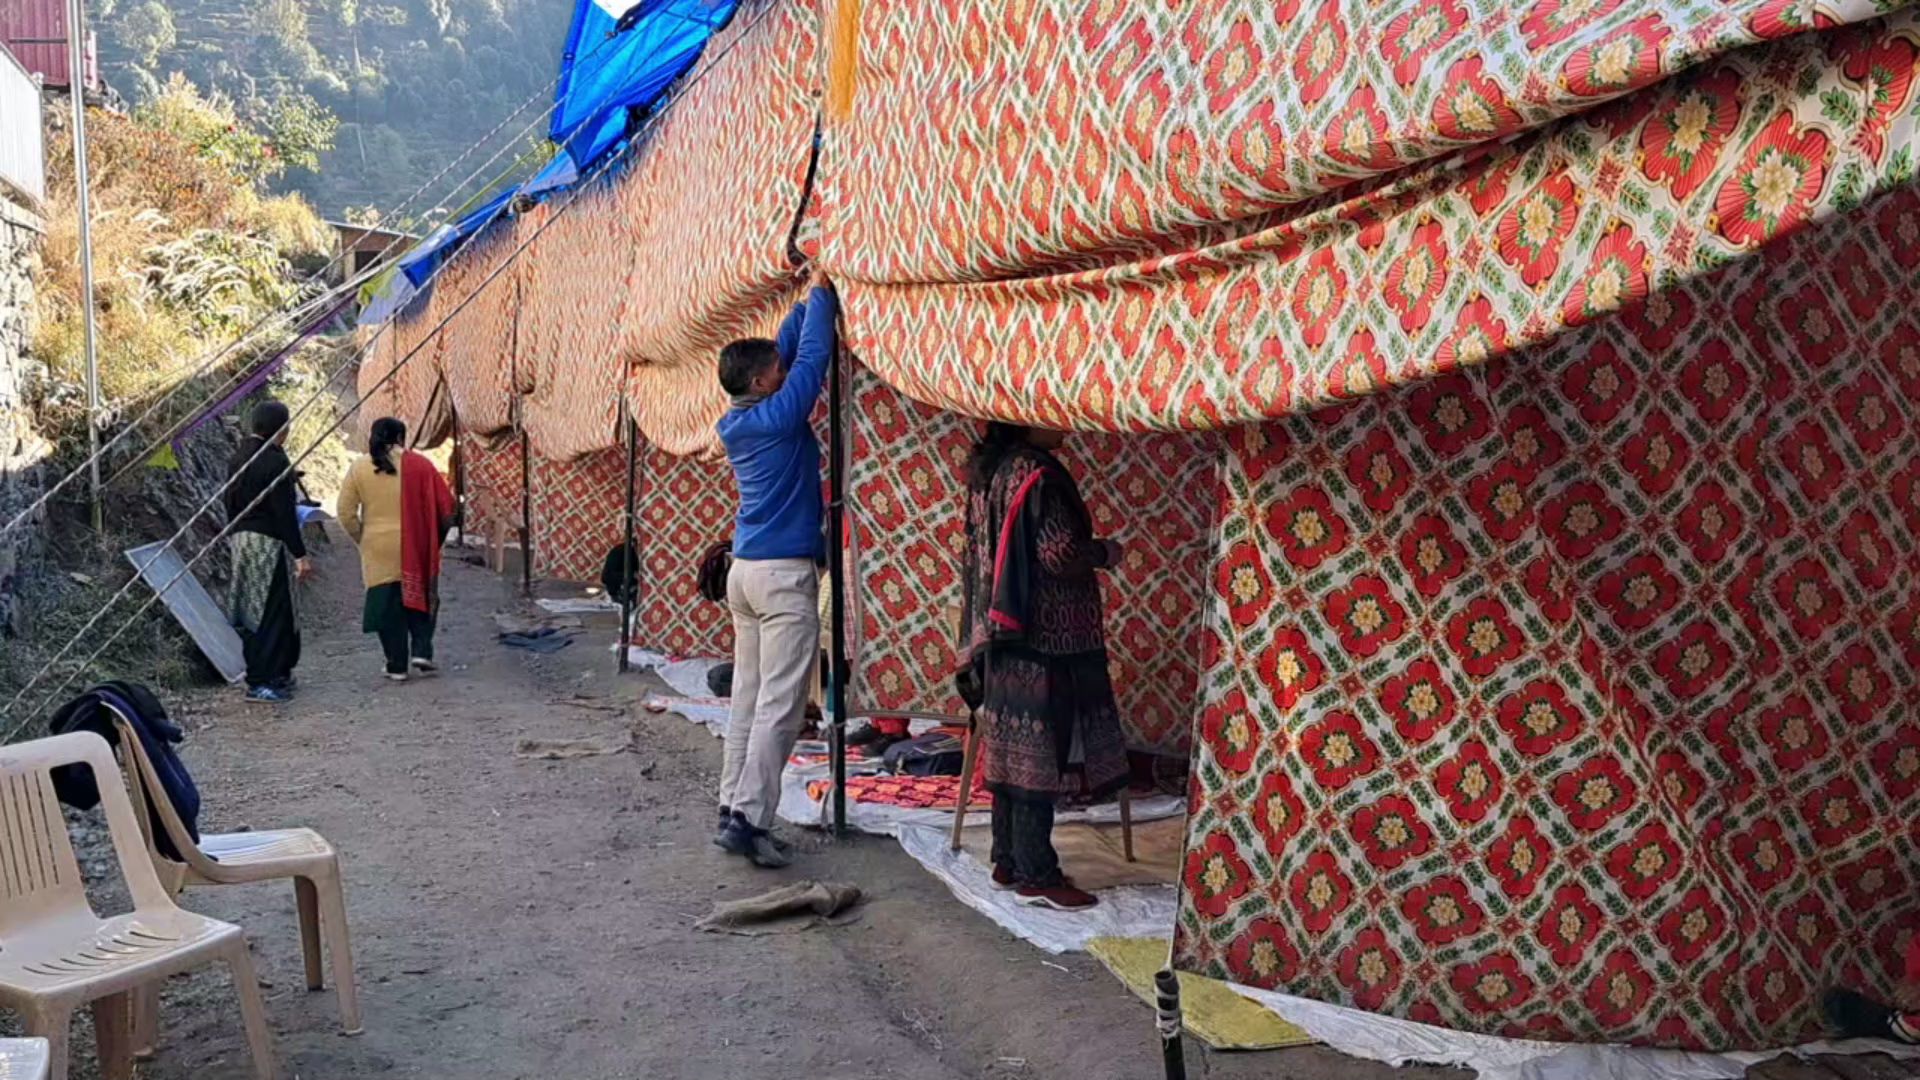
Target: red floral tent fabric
x=490, y=480
x=682, y=504
x=1570, y=696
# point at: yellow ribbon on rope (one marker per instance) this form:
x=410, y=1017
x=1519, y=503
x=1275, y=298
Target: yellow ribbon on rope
x=843, y=58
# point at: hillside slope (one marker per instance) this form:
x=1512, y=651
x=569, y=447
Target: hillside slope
x=414, y=82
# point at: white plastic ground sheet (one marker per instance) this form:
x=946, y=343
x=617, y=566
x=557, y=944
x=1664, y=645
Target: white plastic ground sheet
x=686, y=675
x=1402, y=1042
x=711, y=713
x=577, y=605
x=1130, y=911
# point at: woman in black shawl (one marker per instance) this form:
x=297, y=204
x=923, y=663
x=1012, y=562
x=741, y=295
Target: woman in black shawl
x=1034, y=641
x=268, y=555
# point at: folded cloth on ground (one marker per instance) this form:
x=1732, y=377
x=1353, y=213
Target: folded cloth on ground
x=913, y=792
x=508, y=623
x=563, y=749
x=809, y=752
x=543, y=641
x=809, y=902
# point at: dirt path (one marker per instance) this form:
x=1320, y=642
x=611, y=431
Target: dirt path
x=517, y=919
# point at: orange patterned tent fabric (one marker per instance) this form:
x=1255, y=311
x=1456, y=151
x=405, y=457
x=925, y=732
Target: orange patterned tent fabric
x=1124, y=216
x=1559, y=593
x=577, y=272
x=479, y=385
x=682, y=504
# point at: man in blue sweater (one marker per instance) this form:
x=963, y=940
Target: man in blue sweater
x=773, y=589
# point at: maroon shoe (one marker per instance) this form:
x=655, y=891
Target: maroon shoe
x=1003, y=878
x=1061, y=897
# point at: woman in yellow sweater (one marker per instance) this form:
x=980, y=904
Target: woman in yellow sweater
x=399, y=513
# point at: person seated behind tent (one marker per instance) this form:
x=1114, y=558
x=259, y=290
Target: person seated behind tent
x=773, y=585
x=269, y=555
x=1861, y=1017
x=1034, y=647
x=395, y=504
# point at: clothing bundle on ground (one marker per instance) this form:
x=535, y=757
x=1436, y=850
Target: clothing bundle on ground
x=937, y=753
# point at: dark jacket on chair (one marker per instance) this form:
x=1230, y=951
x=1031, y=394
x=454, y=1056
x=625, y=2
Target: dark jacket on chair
x=78, y=788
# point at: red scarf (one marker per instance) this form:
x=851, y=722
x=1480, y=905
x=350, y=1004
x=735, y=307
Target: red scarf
x=426, y=512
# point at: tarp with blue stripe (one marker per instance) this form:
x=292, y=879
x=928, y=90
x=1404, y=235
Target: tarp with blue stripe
x=621, y=56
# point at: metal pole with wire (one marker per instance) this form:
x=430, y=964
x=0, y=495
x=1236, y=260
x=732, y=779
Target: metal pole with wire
x=77, y=89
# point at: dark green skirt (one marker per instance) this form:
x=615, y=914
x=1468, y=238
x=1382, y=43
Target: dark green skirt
x=385, y=607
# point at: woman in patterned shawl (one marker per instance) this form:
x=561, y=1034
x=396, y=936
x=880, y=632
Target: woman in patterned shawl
x=1034, y=642
x=268, y=555
x=398, y=508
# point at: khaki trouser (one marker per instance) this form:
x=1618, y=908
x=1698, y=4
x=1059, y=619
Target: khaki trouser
x=816, y=697
x=776, y=644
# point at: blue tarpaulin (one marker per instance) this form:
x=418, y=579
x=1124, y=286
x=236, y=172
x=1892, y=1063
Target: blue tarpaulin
x=621, y=56
x=607, y=70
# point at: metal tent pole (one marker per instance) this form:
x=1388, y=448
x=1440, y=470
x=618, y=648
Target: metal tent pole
x=526, y=511
x=526, y=449
x=77, y=89
x=1166, y=1007
x=836, y=569
x=628, y=577
x=458, y=460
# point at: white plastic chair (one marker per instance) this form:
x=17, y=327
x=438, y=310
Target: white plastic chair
x=302, y=855
x=57, y=955
x=23, y=1059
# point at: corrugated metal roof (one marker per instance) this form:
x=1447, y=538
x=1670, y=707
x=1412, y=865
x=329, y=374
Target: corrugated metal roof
x=36, y=32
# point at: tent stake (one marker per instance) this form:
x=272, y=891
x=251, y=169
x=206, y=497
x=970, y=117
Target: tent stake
x=1166, y=1017
x=837, y=565
x=628, y=579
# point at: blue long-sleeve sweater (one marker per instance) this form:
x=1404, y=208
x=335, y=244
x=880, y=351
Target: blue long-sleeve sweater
x=775, y=456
